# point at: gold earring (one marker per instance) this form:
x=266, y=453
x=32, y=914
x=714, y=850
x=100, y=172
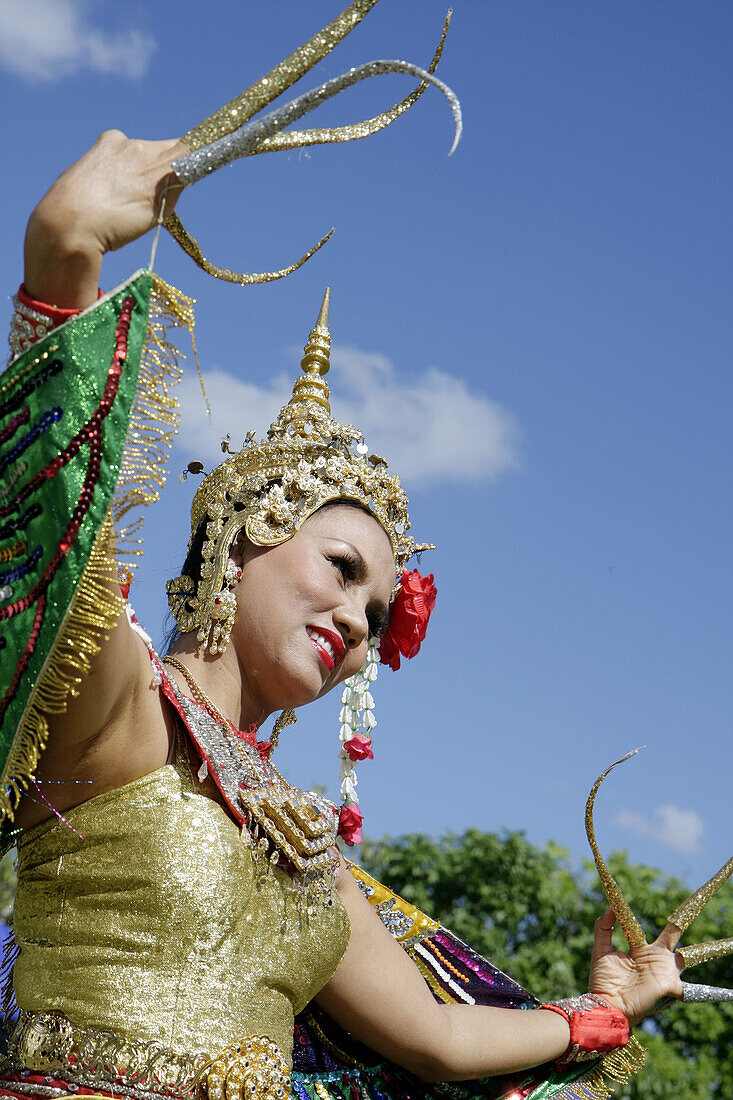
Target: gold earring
x=217, y=617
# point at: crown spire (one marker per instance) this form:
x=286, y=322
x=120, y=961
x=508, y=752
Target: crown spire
x=322, y=322
x=316, y=362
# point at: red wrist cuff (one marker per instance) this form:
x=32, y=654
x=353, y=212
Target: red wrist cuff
x=32, y=320
x=596, y=1027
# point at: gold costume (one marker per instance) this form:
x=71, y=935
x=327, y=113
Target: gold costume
x=153, y=921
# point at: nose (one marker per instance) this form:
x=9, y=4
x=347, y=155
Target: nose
x=351, y=622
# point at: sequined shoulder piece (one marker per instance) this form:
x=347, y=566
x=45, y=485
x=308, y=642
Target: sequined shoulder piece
x=233, y=763
x=329, y=1063
x=286, y=823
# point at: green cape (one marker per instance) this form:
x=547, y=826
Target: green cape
x=86, y=424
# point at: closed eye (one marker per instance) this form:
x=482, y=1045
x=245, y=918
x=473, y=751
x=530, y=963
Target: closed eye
x=353, y=569
x=348, y=566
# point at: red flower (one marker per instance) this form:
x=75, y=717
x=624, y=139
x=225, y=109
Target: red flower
x=359, y=748
x=349, y=829
x=408, y=623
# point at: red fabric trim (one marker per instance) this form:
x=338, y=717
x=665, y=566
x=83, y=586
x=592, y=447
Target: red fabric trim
x=263, y=747
x=249, y=735
x=167, y=690
x=54, y=313
x=600, y=1029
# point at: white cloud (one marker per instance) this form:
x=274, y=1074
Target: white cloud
x=430, y=426
x=672, y=826
x=50, y=39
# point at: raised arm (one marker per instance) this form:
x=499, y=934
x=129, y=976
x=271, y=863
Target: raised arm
x=105, y=200
x=110, y=197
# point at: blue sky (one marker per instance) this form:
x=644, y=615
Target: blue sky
x=543, y=323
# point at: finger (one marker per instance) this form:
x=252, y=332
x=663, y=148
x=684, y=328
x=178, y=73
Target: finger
x=603, y=933
x=179, y=149
x=170, y=189
x=669, y=937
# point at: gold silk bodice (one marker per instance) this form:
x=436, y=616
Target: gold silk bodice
x=152, y=919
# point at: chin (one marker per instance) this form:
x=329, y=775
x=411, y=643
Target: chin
x=302, y=687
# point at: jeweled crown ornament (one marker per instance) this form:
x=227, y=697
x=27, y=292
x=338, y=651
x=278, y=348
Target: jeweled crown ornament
x=269, y=488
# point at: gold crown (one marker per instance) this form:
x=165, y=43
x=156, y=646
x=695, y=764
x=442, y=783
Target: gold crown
x=268, y=489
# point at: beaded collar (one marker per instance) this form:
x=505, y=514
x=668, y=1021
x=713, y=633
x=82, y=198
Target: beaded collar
x=283, y=824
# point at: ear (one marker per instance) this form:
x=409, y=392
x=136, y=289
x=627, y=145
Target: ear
x=243, y=550
x=237, y=552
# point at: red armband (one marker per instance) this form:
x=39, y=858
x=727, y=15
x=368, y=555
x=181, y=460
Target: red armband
x=596, y=1027
x=32, y=320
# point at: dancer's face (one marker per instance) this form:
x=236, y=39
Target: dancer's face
x=307, y=608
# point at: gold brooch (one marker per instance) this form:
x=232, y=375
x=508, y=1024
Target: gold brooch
x=254, y=1069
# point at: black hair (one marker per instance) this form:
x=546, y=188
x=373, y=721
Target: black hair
x=190, y=568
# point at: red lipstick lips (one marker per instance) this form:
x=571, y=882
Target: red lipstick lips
x=328, y=645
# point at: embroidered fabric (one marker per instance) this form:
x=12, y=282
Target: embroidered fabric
x=596, y=1027
x=32, y=320
x=48, y=1043
x=283, y=823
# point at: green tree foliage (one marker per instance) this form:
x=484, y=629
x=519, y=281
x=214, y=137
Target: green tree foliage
x=528, y=911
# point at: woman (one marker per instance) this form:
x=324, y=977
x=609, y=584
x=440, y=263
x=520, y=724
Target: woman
x=157, y=924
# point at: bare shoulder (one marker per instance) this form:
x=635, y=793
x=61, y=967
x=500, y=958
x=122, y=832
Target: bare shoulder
x=116, y=729
x=110, y=686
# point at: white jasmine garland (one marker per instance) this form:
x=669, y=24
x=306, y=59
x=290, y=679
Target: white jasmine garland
x=356, y=718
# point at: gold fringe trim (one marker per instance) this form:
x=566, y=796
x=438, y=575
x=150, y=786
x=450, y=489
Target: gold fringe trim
x=92, y=613
x=97, y=604
x=154, y=414
x=615, y=1069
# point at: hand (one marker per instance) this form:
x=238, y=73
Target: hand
x=108, y=198
x=637, y=980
